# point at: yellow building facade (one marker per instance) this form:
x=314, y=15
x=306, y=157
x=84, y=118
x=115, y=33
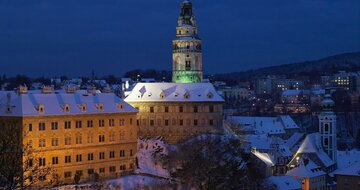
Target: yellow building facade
x=176, y=111
x=91, y=136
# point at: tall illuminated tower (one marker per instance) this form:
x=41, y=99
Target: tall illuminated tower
x=327, y=126
x=187, y=56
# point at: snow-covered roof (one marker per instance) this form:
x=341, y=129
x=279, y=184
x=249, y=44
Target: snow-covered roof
x=311, y=145
x=294, y=140
x=35, y=103
x=263, y=142
x=294, y=92
x=353, y=170
x=173, y=92
x=266, y=125
x=306, y=169
x=264, y=157
x=347, y=158
x=284, y=182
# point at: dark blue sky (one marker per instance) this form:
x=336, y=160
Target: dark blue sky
x=74, y=37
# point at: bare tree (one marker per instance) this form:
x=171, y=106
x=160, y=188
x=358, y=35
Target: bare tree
x=209, y=162
x=20, y=168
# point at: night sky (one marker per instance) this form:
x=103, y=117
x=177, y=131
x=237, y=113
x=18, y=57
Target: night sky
x=74, y=37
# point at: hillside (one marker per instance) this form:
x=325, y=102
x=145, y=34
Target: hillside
x=328, y=65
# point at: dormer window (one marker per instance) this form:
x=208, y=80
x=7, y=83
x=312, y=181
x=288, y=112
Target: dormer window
x=100, y=106
x=40, y=108
x=66, y=107
x=162, y=95
x=176, y=94
x=210, y=95
x=8, y=109
x=82, y=107
x=187, y=95
x=120, y=106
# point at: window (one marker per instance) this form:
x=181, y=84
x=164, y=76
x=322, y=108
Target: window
x=151, y=109
x=67, y=174
x=112, y=154
x=111, y=122
x=41, y=126
x=102, y=155
x=30, y=127
x=78, y=139
x=78, y=158
x=67, y=124
x=137, y=122
x=79, y=172
x=91, y=156
x=67, y=159
x=326, y=141
x=101, y=138
x=54, y=142
x=90, y=123
x=67, y=140
x=90, y=171
x=181, y=109
x=187, y=65
x=78, y=124
x=211, y=109
x=195, y=109
x=42, y=162
x=211, y=122
x=55, y=160
x=101, y=170
x=131, y=152
x=166, y=122
x=195, y=122
x=181, y=122
x=166, y=109
x=42, y=143
x=54, y=125
x=131, y=121
x=112, y=137
x=90, y=138
x=101, y=123
x=123, y=167
x=122, y=122
x=122, y=135
x=112, y=169
x=30, y=162
x=326, y=127
x=151, y=122
x=122, y=153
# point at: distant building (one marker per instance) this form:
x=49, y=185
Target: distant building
x=348, y=178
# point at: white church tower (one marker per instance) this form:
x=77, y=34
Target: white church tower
x=187, y=55
x=327, y=126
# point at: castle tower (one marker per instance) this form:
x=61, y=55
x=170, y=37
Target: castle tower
x=187, y=56
x=327, y=126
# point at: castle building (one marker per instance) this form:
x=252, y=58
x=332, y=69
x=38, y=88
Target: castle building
x=186, y=107
x=187, y=56
x=88, y=135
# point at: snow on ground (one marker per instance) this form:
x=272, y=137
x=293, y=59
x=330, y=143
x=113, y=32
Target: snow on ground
x=148, y=151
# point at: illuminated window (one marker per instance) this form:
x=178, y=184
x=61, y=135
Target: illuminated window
x=102, y=155
x=101, y=138
x=42, y=126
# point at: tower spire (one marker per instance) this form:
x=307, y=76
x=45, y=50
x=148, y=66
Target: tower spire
x=187, y=54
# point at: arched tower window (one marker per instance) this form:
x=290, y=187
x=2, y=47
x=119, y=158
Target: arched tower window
x=188, y=65
x=326, y=141
x=326, y=127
